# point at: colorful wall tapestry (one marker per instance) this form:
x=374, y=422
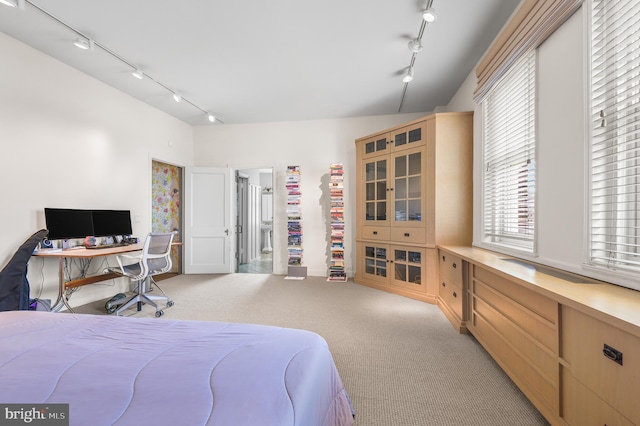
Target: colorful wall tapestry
x=166, y=190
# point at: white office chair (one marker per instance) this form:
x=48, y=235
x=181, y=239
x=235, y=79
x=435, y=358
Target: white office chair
x=155, y=259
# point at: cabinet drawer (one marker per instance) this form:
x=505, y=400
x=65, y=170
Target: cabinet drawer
x=408, y=235
x=451, y=267
x=583, y=343
x=581, y=407
x=375, y=233
x=451, y=294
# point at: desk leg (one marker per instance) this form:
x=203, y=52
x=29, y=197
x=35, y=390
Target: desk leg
x=62, y=299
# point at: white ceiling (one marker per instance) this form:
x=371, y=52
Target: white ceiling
x=259, y=61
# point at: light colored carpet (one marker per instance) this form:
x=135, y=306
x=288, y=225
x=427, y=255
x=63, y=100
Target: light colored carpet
x=401, y=361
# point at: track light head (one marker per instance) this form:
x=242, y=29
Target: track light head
x=408, y=77
x=429, y=15
x=83, y=43
x=415, y=45
x=212, y=118
x=13, y=3
x=177, y=97
x=138, y=74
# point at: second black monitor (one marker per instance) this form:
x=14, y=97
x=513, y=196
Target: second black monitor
x=111, y=222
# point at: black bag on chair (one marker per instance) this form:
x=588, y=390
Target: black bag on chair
x=14, y=286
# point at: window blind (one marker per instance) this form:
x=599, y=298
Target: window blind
x=615, y=139
x=529, y=26
x=509, y=158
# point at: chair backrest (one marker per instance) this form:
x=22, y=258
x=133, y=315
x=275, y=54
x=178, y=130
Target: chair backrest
x=156, y=253
x=14, y=287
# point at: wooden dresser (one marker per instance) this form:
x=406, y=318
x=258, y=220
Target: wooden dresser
x=570, y=343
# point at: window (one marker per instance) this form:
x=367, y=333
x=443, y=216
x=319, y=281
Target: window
x=615, y=135
x=509, y=158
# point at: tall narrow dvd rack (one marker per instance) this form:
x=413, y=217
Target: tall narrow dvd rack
x=337, y=271
x=295, y=270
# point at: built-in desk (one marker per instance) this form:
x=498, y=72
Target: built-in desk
x=570, y=343
x=81, y=253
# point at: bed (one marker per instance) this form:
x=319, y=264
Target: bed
x=131, y=371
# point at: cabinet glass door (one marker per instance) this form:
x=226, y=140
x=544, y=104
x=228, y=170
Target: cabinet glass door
x=375, y=180
x=408, y=188
x=408, y=137
x=376, y=145
x=408, y=267
x=375, y=261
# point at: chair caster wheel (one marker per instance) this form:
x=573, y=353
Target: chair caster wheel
x=170, y=303
x=159, y=314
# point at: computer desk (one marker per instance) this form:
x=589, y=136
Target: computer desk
x=81, y=253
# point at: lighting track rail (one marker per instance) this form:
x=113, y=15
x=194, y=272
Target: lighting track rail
x=90, y=43
x=428, y=17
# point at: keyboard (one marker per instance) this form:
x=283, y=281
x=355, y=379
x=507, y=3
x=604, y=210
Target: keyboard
x=104, y=246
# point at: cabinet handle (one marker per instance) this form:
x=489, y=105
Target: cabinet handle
x=454, y=294
x=612, y=353
x=443, y=258
x=406, y=234
x=454, y=266
x=444, y=284
x=375, y=232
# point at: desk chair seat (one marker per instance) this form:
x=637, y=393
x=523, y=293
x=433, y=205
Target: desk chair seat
x=155, y=259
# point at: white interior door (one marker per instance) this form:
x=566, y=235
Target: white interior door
x=208, y=242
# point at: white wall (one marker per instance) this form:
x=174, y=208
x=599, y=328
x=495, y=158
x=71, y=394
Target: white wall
x=312, y=145
x=68, y=140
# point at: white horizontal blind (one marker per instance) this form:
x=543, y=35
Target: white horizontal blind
x=615, y=142
x=509, y=157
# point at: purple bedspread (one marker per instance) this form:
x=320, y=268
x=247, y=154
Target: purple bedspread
x=134, y=371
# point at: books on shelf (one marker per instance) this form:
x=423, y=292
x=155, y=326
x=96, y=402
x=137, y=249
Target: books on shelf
x=337, y=271
x=294, y=224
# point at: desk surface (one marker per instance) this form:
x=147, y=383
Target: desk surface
x=85, y=253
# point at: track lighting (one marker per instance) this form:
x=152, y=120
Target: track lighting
x=138, y=74
x=429, y=15
x=83, y=43
x=415, y=45
x=13, y=3
x=86, y=43
x=408, y=77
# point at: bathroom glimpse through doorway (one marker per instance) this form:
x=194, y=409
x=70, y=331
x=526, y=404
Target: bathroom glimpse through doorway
x=254, y=221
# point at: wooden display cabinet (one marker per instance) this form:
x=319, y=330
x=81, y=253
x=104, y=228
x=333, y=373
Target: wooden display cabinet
x=413, y=191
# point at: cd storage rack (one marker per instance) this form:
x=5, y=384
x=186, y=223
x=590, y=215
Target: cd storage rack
x=337, y=270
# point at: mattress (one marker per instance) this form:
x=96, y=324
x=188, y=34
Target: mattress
x=132, y=371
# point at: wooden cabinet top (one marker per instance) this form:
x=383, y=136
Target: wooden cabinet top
x=607, y=302
x=418, y=120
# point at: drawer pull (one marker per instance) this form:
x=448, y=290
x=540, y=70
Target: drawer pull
x=375, y=232
x=454, y=294
x=612, y=353
x=406, y=234
x=454, y=266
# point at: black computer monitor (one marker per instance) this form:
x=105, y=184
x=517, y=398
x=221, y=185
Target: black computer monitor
x=64, y=224
x=108, y=223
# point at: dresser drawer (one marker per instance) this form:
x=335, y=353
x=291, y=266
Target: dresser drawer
x=375, y=233
x=451, y=267
x=583, y=347
x=451, y=294
x=408, y=235
x=581, y=407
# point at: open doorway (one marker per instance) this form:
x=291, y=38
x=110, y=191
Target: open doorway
x=166, y=208
x=254, y=221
